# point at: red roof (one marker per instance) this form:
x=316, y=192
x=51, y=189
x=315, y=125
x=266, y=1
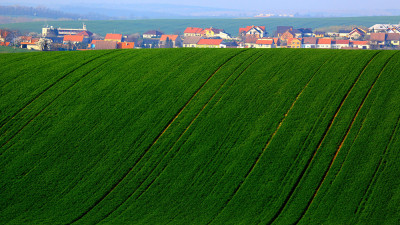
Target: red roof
x=94, y=41
x=85, y=33
x=193, y=30
x=126, y=45
x=73, y=38
x=324, y=41
x=264, y=41
x=342, y=42
x=359, y=42
x=210, y=42
x=171, y=37
x=289, y=41
x=246, y=29
x=4, y=43
x=116, y=37
x=378, y=37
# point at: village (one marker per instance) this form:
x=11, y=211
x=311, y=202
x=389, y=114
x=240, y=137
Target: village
x=378, y=36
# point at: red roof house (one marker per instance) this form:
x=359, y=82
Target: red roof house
x=193, y=31
x=126, y=45
x=113, y=37
x=73, y=38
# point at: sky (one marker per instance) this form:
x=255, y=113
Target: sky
x=291, y=6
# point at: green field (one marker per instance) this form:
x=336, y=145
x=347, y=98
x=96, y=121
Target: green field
x=4, y=49
x=200, y=136
x=178, y=26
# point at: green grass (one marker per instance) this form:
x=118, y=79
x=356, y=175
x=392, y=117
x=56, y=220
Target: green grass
x=230, y=25
x=198, y=136
x=4, y=49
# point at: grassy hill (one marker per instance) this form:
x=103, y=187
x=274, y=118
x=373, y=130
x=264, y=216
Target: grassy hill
x=230, y=25
x=4, y=49
x=199, y=136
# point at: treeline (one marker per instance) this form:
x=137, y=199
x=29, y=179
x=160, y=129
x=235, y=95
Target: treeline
x=37, y=12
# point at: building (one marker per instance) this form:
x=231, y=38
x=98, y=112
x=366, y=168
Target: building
x=378, y=39
x=324, y=43
x=309, y=42
x=105, y=45
x=344, y=33
x=125, y=45
x=360, y=44
x=113, y=37
x=74, y=39
x=319, y=34
x=193, y=31
x=357, y=33
x=340, y=44
x=289, y=34
x=152, y=34
x=294, y=43
x=3, y=35
x=214, y=32
x=191, y=41
x=257, y=31
x=393, y=39
x=250, y=41
x=306, y=32
x=210, y=43
x=52, y=32
x=382, y=28
x=281, y=29
x=170, y=41
x=265, y=43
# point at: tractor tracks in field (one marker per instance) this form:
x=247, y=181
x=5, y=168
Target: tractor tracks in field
x=344, y=138
x=280, y=210
x=54, y=99
x=181, y=135
x=155, y=140
x=50, y=86
x=268, y=142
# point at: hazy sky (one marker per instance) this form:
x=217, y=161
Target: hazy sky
x=241, y=4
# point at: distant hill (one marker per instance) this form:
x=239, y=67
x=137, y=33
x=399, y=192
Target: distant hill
x=176, y=25
x=200, y=136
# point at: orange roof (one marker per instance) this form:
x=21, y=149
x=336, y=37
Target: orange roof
x=324, y=41
x=73, y=38
x=27, y=43
x=210, y=42
x=126, y=45
x=264, y=41
x=342, y=42
x=171, y=37
x=193, y=30
x=117, y=37
x=4, y=43
x=246, y=29
x=85, y=33
x=289, y=40
x=359, y=42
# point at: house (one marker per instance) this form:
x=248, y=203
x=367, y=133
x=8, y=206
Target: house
x=229, y=44
x=357, y=33
x=306, y=32
x=281, y=29
x=319, y=34
x=113, y=37
x=74, y=39
x=85, y=33
x=257, y=31
x=191, y=41
x=324, y=43
x=379, y=28
x=150, y=43
x=125, y=45
x=213, y=32
x=31, y=44
x=294, y=43
x=393, y=30
x=265, y=43
x=289, y=34
x=393, y=39
x=309, y=42
x=297, y=33
x=152, y=34
x=378, y=39
x=5, y=43
x=105, y=45
x=360, y=44
x=92, y=44
x=210, y=43
x=340, y=44
x=343, y=33
x=250, y=41
x=170, y=41
x=193, y=31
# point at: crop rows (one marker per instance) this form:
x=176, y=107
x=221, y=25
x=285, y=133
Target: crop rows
x=199, y=136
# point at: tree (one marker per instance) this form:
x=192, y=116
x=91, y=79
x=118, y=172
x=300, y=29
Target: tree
x=44, y=44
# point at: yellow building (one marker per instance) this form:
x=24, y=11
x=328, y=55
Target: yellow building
x=294, y=43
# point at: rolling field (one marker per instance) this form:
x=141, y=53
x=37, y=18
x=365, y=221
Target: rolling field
x=170, y=26
x=200, y=136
